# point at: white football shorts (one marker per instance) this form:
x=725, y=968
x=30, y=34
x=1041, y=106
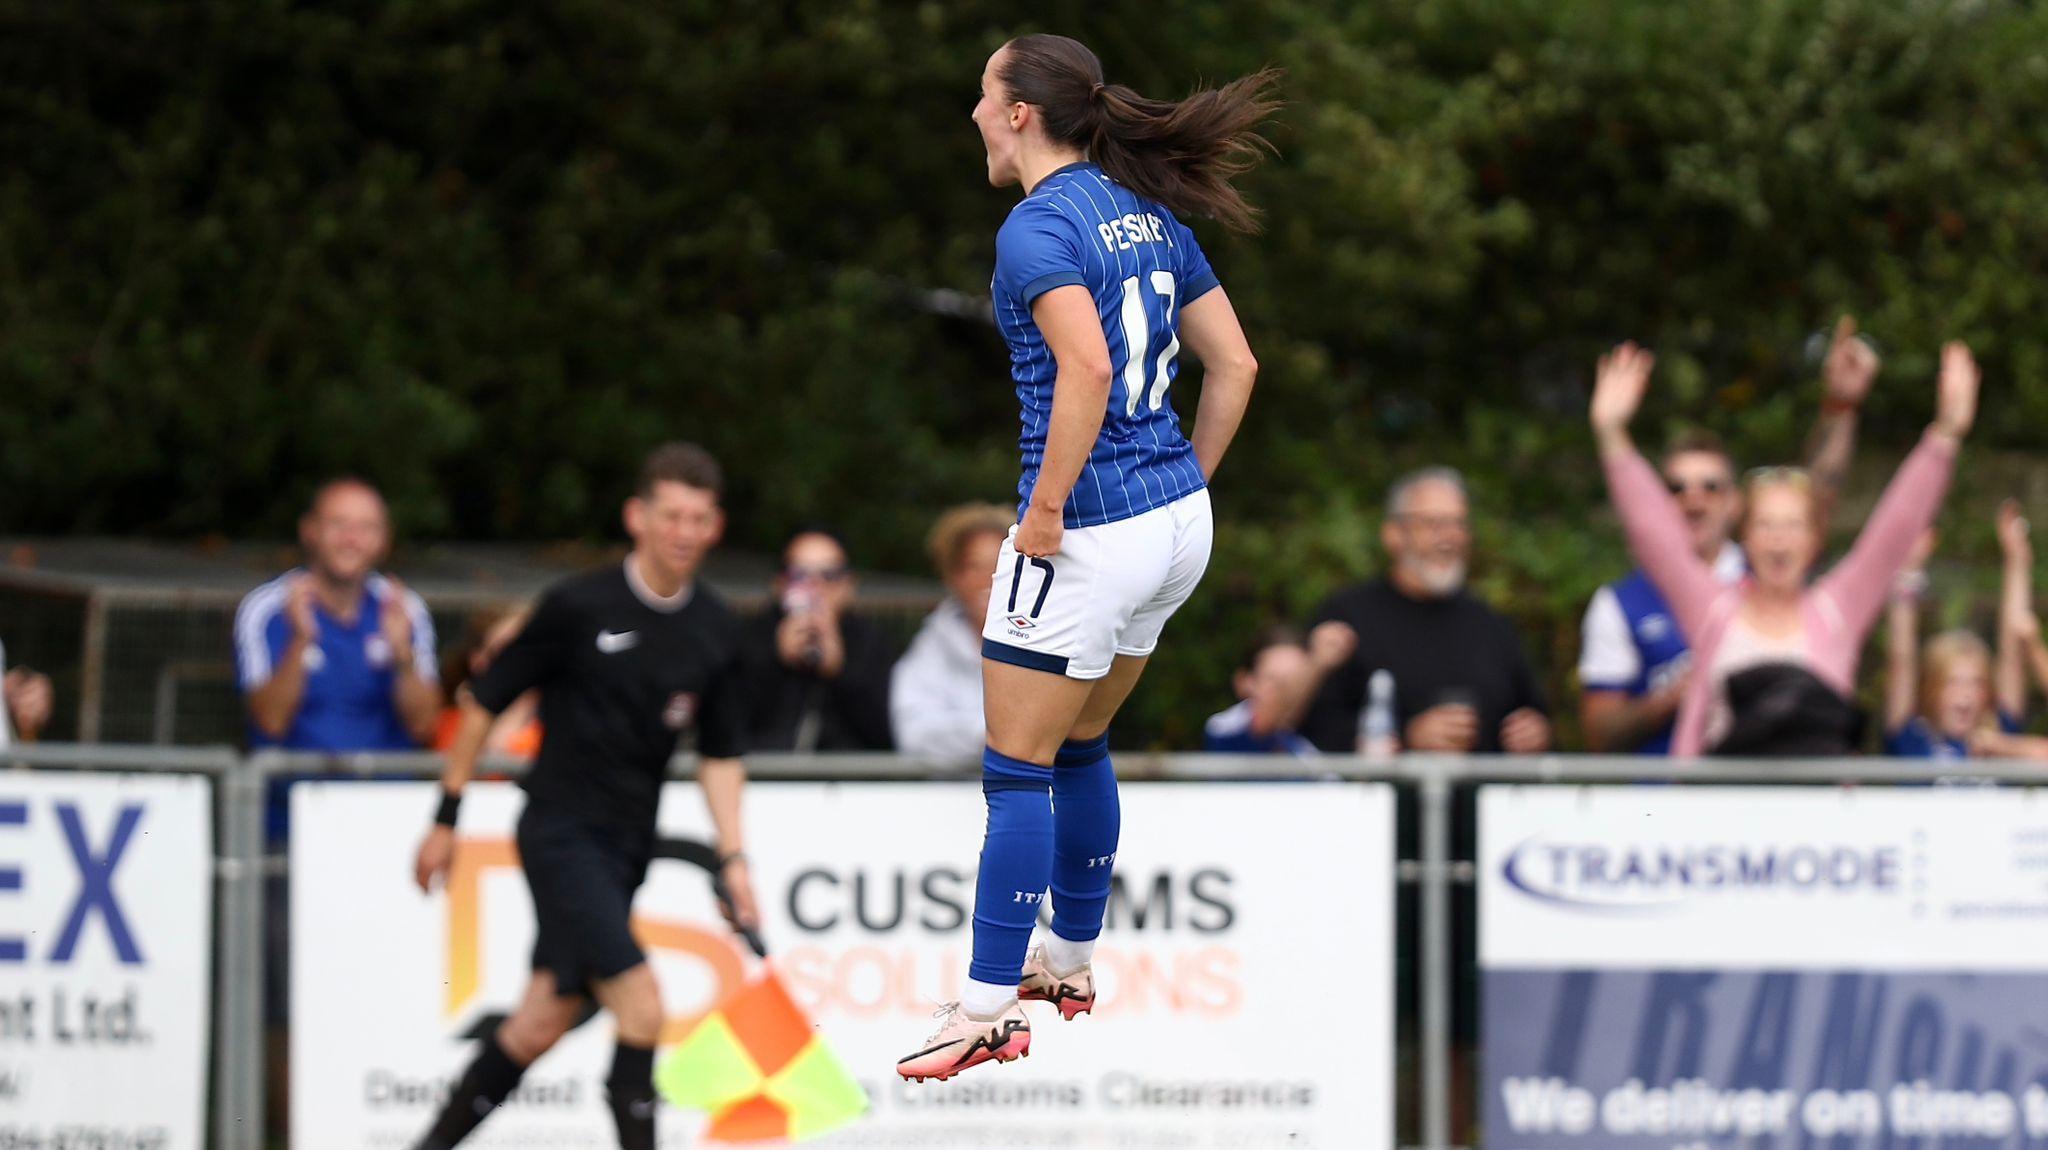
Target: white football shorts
x=1108, y=592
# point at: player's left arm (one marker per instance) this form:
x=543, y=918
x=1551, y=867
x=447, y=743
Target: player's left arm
x=1040, y=260
x=723, y=781
x=1209, y=329
x=722, y=774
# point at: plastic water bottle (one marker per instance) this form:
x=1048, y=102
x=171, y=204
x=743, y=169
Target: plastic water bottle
x=1376, y=738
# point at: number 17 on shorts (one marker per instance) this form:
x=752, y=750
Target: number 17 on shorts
x=1108, y=592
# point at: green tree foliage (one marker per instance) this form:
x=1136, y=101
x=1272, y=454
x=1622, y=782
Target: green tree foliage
x=486, y=252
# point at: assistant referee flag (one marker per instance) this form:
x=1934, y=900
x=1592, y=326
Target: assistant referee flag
x=760, y=1070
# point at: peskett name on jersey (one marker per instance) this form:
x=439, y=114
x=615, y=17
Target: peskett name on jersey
x=1118, y=235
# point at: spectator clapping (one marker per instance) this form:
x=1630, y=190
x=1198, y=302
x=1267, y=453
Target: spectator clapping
x=333, y=655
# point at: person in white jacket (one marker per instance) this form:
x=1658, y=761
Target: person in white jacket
x=935, y=689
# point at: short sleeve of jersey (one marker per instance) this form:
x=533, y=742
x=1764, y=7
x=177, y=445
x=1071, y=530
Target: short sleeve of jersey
x=425, y=644
x=1037, y=250
x=722, y=721
x=1608, y=659
x=535, y=655
x=257, y=644
x=1197, y=278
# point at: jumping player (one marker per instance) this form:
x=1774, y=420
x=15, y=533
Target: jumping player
x=1098, y=286
x=627, y=659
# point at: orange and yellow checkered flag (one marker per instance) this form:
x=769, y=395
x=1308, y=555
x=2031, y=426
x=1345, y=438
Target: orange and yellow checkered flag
x=761, y=1071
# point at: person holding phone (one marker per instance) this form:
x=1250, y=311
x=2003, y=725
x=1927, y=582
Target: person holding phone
x=817, y=675
x=1462, y=683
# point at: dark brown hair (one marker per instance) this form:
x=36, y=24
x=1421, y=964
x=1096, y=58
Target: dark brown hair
x=1698, y=441
x=1180, y=154
x=684, y=463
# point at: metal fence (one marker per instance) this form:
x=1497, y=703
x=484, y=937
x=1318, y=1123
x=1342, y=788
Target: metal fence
x=138, y=637
x=1432, y=868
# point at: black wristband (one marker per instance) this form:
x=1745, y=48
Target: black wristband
x=444, y=815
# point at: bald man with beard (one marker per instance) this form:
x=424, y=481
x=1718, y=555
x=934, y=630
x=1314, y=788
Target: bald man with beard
x=1462, y=682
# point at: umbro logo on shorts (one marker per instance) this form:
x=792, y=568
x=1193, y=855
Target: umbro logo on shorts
x=612, y=642
x=1020, y=622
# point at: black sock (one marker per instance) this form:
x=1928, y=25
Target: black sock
x=631, y=1088
x=486, y=1084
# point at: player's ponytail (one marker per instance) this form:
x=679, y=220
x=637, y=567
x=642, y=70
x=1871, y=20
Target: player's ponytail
x=1181, y=154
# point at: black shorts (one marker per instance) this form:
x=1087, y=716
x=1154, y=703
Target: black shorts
x=583, y=877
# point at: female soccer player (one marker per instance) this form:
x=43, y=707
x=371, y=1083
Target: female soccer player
x=1097, y=286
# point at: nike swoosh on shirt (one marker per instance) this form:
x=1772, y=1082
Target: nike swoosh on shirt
x=612, y=642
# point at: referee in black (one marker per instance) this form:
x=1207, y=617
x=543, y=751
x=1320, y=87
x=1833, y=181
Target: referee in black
x=627, y=660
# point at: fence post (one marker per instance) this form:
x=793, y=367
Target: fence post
x=1435, y=973
x=238, y=1121
x=232, y=866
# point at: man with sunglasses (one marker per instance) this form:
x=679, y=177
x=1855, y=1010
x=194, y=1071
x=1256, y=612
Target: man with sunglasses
x=817, y=676
x=1633, y=661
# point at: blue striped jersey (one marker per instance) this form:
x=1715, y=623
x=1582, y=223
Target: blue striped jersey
x=1078, y=226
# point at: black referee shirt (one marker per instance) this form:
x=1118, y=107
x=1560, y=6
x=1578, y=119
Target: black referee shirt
x=622, y=677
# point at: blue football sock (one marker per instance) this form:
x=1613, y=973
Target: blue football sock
x=1016, y=862
x=1086, y=819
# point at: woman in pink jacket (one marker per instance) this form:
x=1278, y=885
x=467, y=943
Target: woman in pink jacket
x=1777, y=627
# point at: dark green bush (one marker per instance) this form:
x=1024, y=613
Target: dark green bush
x=487, y=252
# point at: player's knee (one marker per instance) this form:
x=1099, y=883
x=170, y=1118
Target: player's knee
x=1088, y=730
x=528, y=1034
x=639, y=1019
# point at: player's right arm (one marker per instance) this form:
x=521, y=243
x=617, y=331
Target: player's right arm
x=722, y=775
x=437, y=850
x=1039, y=260
x=1066, y=316
x=528, y=661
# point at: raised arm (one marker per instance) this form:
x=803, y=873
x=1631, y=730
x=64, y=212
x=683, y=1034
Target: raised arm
x=2016, y=623
x=1902, y=639
x=1649, y=516
x=1858, y=583
x=1330, y=647
x=1850, y=367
